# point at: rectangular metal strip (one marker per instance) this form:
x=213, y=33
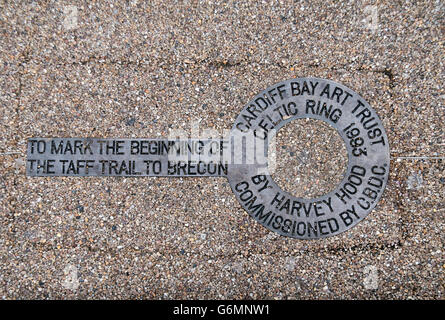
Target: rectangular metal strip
x=126, y=157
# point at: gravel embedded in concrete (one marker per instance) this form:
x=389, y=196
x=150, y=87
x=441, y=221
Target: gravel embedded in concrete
x=130, y=69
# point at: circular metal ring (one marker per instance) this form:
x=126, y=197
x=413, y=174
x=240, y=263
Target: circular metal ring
x=366, y=143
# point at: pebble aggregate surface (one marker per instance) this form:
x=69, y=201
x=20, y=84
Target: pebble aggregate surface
x=125, y=69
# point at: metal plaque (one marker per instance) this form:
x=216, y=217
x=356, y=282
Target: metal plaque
x=126, y=157
x=243, y=157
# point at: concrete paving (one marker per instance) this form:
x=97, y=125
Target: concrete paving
x=134, y=69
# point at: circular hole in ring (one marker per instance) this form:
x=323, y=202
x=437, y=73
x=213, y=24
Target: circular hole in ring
x=311, y=158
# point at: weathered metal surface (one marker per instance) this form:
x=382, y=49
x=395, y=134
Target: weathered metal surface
x=125, y=157
x=368, y=159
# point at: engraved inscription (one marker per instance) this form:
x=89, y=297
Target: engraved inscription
x=368, y=159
